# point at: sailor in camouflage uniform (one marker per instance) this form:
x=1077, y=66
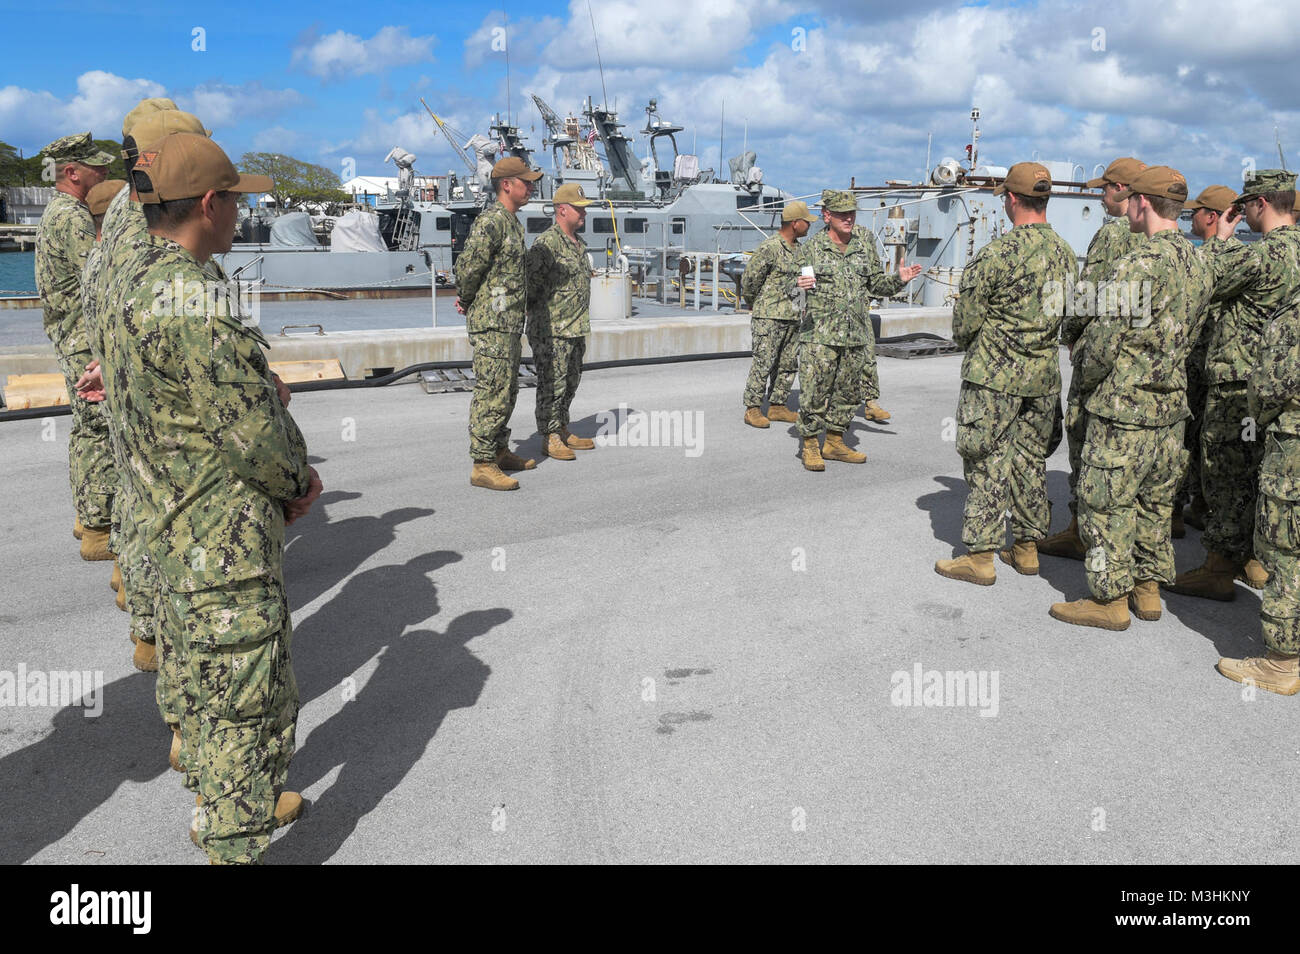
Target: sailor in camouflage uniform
x=1273, y=394
x=1251, y=282
x=1134, y=371
x=63, y=240
x=492, y=296
x=774, y=320
x=1206, y=208
x=559, y=319
x=1007, y=318
x=1112, y=242
x=835, y=337
x=224, y=467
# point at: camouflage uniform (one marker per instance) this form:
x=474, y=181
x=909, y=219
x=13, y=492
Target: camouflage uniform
x=1112, y=242
x=1134, y=371
x=1009, y=409
x=559, y=320
x=1197, y=389
x=64, y=240
x=214, y=455
x=1274, y=402
x=774, y=322
x=490, y=280
x=882, y=285
x=1251, y=282
x=836, y=342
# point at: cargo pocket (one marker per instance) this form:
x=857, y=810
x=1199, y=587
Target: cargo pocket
x=1277, y=515
x=1106, y=479
x=237, y=653
x=982, y=418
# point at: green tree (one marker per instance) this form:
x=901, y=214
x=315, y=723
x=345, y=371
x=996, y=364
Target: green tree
x=297, y=183
x=16, y=171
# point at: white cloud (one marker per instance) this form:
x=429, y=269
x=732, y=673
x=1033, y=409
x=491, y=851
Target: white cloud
x=340, y=54
x=102, y=99
x=221, y=105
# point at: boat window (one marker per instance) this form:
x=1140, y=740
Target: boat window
x=442, y=223
x=537, y=223
x=679, y=226
x=602, y=225
x=746, y=201
x=634, y=226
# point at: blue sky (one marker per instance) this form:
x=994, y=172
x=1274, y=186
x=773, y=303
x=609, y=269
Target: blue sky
x=829, y=91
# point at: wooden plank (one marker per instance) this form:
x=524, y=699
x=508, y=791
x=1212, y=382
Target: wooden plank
x=35, y=390
x=292, y=372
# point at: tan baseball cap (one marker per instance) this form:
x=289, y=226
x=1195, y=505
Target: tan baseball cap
x=156, y=127
x=794, y=211
x=142, y=109
x=1216, y=198
x=102, y=194
x=1026, y=178
x=1121, y=171
x=187, y=165
x=512, y=167
x=571, y=194
x=1162, y=182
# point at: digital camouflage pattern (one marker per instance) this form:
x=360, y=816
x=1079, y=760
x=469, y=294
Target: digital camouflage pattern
x=762, y=281
x=1251, y=283
x=63, y=242
x=490, y=273
x=1112, y=242
x=838, y=308
x=1134, y=365
x=559, y=299
x=1126, y=490
x=559, y=286
x=1133, y=456
x=123, y=223
x=830, y=381
x=241, y=700
x=1007, y=316
x=1004, y=441
x=496, y=388
x=559, y=370
x=1274, y=402
x=775, y=361
x=214, y=456
x=1197, y=392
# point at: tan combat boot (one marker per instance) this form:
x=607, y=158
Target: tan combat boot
x=971, y=568
x=1112, y=615
x=1272, y=671
x=812, y=454
x=145, y=657
x=1213, y=580
x=508, y=460
x=1023, y=555
x=120, y=599
x=77, y=528
x=754, y=418
x=1066, y=544
x=836, y=449
x=1253, y=574
x=94, y=544
x=1144, y=601
x=874, y=412
x=576, y=442
x=116, y=582
x=555, y=447
x=174, y=756
x=782, y=414
x=487, y=474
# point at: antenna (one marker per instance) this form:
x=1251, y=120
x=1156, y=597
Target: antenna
x=503, y=28
x=603, y=94
x=1281, y=157
x=722, y=129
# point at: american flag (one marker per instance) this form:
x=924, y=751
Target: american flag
x=591, y=136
